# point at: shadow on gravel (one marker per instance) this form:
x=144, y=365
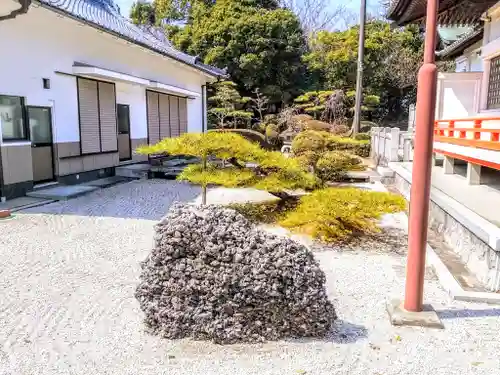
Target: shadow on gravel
x=393, y=241
x=347, y=333
x=342, y=333
x=467, y=313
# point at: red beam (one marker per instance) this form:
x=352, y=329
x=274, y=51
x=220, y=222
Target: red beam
x=484, y=163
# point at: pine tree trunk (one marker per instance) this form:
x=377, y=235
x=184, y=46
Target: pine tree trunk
x=204, y=187
x=204, y=195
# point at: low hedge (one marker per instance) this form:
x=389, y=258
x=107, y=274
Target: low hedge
x=333, y=165
x=320, y=141
x=311, y=141
x=335, y=214
x=357, y=147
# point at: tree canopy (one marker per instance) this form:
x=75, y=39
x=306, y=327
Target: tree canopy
x=392, y=60
x=283, y=51
x=260, y=45
x=226, y=103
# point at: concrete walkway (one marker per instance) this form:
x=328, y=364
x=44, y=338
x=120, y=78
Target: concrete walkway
x=482, y=199
x=23, y=202
x=221, y=195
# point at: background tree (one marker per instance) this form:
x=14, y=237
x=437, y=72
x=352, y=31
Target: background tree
x=316, y=15
x=263, y=45
x=226, y=103
x=143, y=13
x=392, y=58
x=260, y=44
x=259, y=103
x=335, y=107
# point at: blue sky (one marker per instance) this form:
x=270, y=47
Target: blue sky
x=352, y=4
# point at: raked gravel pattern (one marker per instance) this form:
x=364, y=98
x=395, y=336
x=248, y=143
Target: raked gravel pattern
x=67, y=281
x=142, y=199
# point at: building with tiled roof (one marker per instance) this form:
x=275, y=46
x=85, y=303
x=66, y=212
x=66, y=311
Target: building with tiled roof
x=81, y=87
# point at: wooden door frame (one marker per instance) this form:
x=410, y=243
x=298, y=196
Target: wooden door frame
x=51, y=144
x=129, y=131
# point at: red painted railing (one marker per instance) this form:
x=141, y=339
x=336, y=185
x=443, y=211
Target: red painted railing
x=454, y=132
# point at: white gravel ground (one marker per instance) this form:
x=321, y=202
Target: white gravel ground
x=67, y=279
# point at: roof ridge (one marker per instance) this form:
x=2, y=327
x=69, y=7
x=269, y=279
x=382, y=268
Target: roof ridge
x=462, y=41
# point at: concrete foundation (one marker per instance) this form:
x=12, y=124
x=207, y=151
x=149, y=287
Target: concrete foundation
x=401, y=317
x=473, y=174
x=449, y=165
x=471, y=241
x=62, y=192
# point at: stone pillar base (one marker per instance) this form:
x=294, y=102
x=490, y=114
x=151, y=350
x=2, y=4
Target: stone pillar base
x=401, y=317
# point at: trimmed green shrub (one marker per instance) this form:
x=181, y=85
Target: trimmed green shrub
x=360, y=148
x=308, y=159
x=320, y=141
x=310, y=141
x=251, y=135
x=333, y=165
x=272, y=133
x=318, y=125
x=335, y=214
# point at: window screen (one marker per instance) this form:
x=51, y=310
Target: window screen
x=494, y=84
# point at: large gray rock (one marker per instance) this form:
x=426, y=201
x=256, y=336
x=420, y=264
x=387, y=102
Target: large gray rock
x=213, y=276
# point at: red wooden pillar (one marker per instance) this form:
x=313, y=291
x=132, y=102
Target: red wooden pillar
x=421, y=174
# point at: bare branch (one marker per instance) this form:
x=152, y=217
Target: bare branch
x=315, y=15
x=259, y=103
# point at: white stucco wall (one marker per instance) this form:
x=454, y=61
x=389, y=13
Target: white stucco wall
x=461, y=64
x=458, y=95
x=135, y=97
x=471, y=60
x=38, y=44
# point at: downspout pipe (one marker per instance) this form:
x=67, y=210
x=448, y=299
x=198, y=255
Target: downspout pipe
x=203, y=107
x=25, y=4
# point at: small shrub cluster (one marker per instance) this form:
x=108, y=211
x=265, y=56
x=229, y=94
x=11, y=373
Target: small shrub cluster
x=334, y=214
x=366, y=126
x=333, y=165
x=329, y=156
x=340, y=129
x=357, y=147
x=320, y=141
x=272, y=133
x=311, y=141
